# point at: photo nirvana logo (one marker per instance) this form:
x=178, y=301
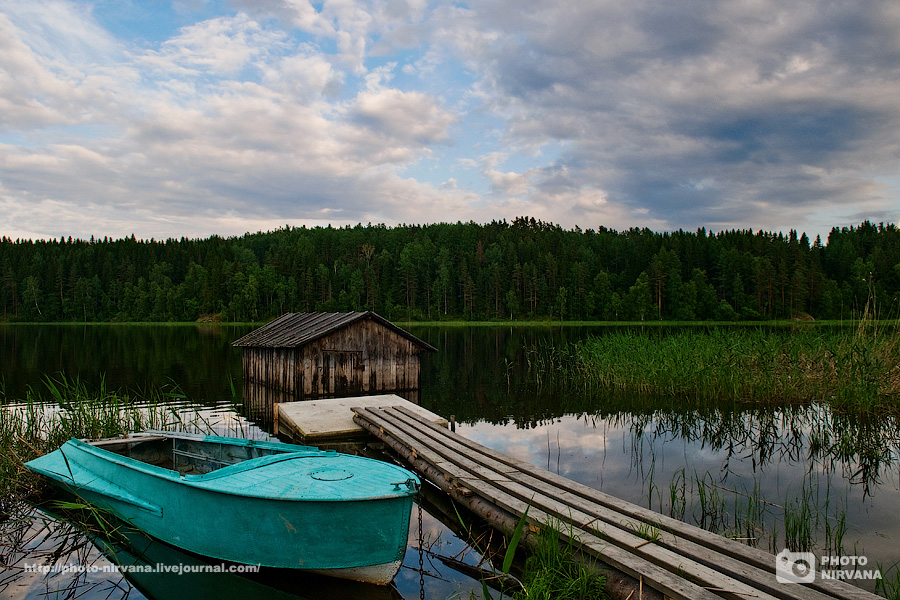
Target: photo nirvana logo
x=800, y=567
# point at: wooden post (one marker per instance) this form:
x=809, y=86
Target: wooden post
x=275, y=419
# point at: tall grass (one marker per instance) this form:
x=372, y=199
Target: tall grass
x=553, y=571
x=65, y=408
x=853, y=368
x=799, y=522
x=809, y=520
x=889, y=585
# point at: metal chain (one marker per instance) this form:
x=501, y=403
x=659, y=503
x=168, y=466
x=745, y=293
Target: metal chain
x=421, y=558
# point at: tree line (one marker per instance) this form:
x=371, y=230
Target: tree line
x=524, y=269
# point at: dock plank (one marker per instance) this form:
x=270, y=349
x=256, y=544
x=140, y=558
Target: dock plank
x=595, y=513
x=328, y=419
x=571, y=514
x=606, y=525
x=652, y=575
x=754, y=556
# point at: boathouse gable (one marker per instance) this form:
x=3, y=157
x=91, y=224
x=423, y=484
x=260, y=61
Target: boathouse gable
x=332, y=354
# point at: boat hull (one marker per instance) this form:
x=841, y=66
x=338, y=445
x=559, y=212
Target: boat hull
x=363, y=538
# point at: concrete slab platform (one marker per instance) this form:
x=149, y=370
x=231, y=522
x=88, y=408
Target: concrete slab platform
x=331, y=419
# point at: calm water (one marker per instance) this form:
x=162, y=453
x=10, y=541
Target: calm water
x=653, y=451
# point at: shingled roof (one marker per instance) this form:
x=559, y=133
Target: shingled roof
x=293, y=330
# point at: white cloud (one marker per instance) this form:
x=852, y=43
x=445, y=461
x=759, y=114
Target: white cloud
x=38, y=90
x=754, y=113
x=304, y=76
x=222, y=46
x=411, y=117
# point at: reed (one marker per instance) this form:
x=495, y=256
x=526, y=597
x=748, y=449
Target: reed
x=713, y=513
x=799, y=523
x=65, y=408
x=554, y=572
x=809, y=520
x=677, y=499
x=856, y=369
x=750, y=516
x=889, y=584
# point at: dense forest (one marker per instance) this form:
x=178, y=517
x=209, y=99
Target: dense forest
x=525, y=269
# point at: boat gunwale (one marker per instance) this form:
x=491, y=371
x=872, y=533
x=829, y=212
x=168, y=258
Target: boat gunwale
x=205, y=481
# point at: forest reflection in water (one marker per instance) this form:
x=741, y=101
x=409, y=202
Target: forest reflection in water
x=742, y=469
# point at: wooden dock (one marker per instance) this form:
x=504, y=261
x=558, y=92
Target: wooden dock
x=684, y=562
x=331, y=420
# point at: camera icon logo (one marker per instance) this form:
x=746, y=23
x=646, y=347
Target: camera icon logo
x=795, y=567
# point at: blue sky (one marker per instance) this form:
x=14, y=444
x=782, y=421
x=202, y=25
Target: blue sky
x=190, y=118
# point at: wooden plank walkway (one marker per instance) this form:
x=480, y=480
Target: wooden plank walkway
x=330, y=419
x=684, y=562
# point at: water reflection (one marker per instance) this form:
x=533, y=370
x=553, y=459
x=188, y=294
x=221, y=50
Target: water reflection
x=858, y=448
x=649, y=450
x=72, y=554
x=840, y=468
x=78, y=557
x=481, y=376
x=197, y=358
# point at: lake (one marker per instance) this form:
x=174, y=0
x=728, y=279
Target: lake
x=735, y=469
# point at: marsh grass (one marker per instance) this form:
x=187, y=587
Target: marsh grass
x=889, y=584
x=712, y=510
x=62, y=533
x=554, y=568
x=65, y=408
x=554, y=572
x=808, y=520
x=677, y=498
x=646, y=531
x=856, y=368
x=799, y=523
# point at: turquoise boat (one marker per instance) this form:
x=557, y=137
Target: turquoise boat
x=247, y=501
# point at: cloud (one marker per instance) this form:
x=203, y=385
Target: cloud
x=766, y=100
x=747, y=114
x=40, y=85
x=410, y=118
x=232, y=118
x=221, y=46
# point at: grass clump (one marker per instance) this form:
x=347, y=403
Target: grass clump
x=64, y=409
x=853, y=368
x=889, y=584
x=554, y=571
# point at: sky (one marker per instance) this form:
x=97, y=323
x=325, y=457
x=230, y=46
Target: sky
x=192, y=118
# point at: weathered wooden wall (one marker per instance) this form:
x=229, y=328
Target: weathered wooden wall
x=364, y=357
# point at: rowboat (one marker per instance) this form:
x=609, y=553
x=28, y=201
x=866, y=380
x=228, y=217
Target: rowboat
x=247, y=501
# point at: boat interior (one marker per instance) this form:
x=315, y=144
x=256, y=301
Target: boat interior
x=187, y=455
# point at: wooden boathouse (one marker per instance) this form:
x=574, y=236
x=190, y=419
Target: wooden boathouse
x=332, y=354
